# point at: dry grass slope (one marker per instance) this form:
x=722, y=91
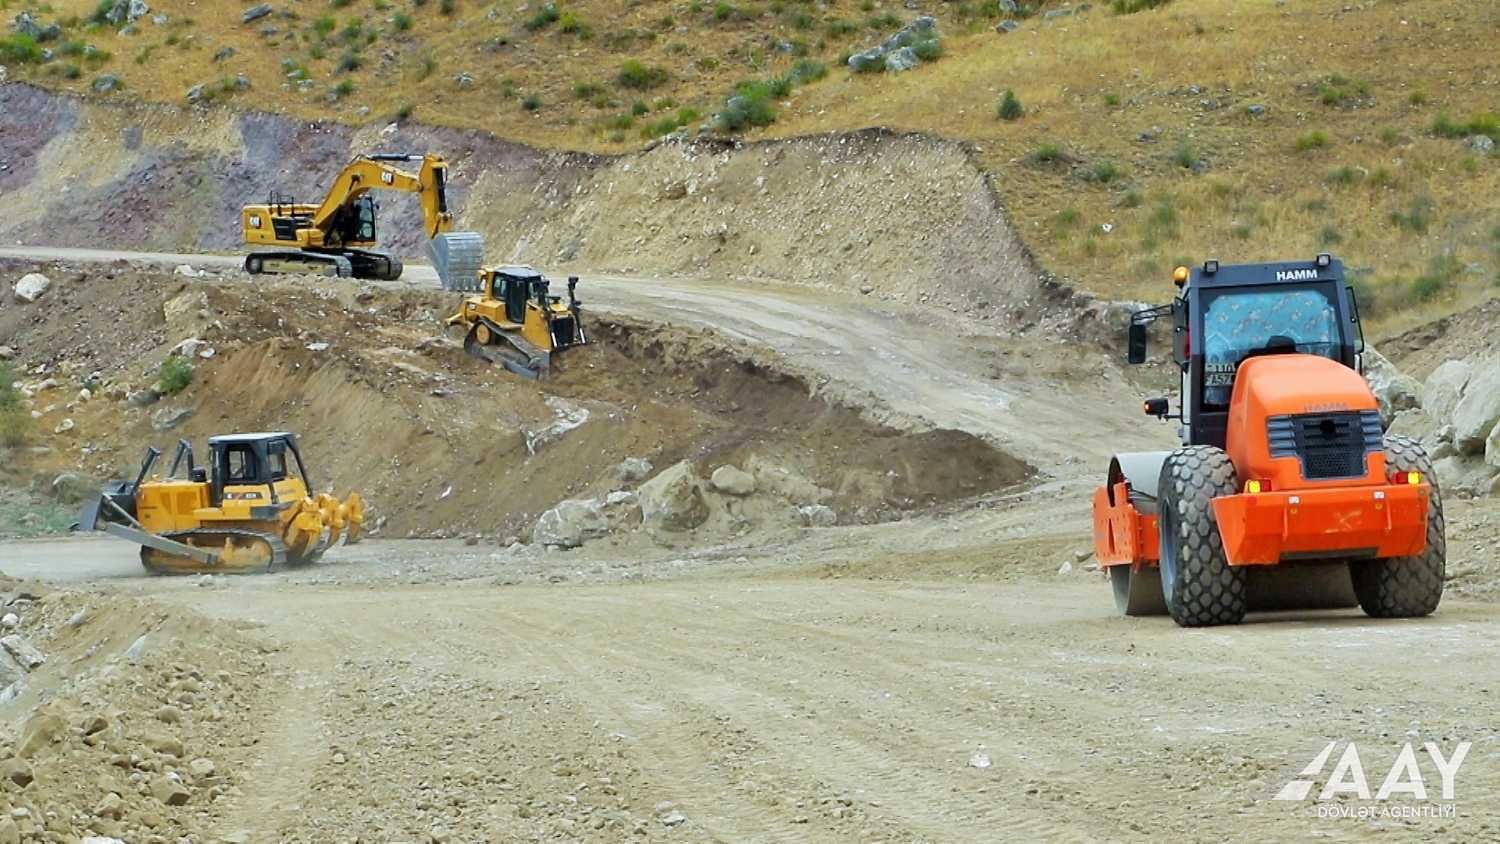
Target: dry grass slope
x=1244, y=130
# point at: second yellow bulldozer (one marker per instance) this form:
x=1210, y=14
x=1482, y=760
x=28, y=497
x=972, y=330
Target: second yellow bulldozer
x=515, y=322
x=250, y=509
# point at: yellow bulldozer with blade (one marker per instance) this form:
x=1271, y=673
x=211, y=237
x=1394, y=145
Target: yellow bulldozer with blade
x=336, y=236
x=515, y=322
x=250, y=509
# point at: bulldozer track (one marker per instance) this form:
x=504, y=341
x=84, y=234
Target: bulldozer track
x=278, y=548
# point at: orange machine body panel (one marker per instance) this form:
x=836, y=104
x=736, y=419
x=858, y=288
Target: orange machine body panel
x=1123, y=535
x=1389, y=520
x=1293, y=385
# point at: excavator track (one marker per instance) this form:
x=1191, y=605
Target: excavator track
x=298, y=262
x=506, y=349
x=252, y=551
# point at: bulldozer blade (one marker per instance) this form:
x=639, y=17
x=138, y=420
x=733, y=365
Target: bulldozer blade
x=457, y=257
x=1306, y=586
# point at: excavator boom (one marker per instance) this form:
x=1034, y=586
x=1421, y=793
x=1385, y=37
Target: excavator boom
x=333, y=237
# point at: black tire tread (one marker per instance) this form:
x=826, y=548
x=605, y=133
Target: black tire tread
x=1406, y=587
x=1208, y=591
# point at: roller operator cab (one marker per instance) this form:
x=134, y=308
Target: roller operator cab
x=1285, y=493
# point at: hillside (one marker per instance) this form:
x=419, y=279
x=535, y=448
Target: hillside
x=1244, y=130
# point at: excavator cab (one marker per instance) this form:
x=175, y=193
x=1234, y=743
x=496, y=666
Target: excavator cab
x=516, y=322
x=1286, y=492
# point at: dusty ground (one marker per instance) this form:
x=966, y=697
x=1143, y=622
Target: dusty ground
x=953, y=671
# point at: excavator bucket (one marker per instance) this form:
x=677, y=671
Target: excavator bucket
x=457, y=258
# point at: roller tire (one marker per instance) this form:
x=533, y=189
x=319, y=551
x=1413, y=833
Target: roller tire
x=1406, y=587
x=1201, y=589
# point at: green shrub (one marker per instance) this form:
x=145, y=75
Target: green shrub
x=1438, y=280
x=885, y=21
x=325, y=25
x=1345, y=175
x=1487, y=123
x=928, y=49
x=349, y=62
x=1330, y=236
x=531, y=102
x=404, y=112
x=1186, y=157
x=343, y=89
x=808, y=70
x=1048, y=153
x=1112, y=100
x=781, y=87
x=585, y=90
x=1315, y=139
x=176, y=374
x=840, y=28
x=100, y=17
x=672, y=123
x=1417, y=98
x=639, y=108
x=1010, y=107
x=724, y=10
x=641, y=77
x=1415, y=218
x=401, y=21
x=749, y=105
x=352, y=32
x=1130, y=7
x=20, y=49
x=447, y=7
x=1342, y=91
x=544, y=17
x=573, y=25
x=1102, y=172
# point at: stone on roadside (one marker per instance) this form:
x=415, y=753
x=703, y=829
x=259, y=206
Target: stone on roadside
x=571, y=523
x=633, y=470
x=23, y=651
x=817, y=515
x=673, y=500
x=31, y=287
x=731, y=480
x=170, y=791
x=255, y=13
x=17, y=771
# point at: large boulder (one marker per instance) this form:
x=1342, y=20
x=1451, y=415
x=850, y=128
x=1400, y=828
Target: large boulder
x=1395, y=391
x=1492, y=448
x=1414, y=423
x=571, y=523
x=673, y=500
x=32, y=287
x=1478, y=410
x=730, y=480
x=1444, y=387
x=187, y=313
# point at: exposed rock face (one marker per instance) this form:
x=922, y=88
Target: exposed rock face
x=673, y=500
x=1395, y=391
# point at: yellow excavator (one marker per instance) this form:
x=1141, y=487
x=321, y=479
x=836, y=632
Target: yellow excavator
x=516, y=323
x=337, y=236
x=250, y=509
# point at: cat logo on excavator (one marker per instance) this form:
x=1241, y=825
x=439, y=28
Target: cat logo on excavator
x=249, y=510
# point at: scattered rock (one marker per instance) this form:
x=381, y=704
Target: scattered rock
x=168, y=418
x=464, y=80
x=1007, y=26
x=24, y=652
x=1053, y=14
x=17, y=771
x=317, y=347
x=164, y=743
x=1082, y=555
x=38, y=733
x=224, y=54
x=732, y=481
x=620, y=498
x=571, y=523
x=10, y=621
x=255, y=13
x=111, y=806
x=26, y=24
x=1492, y=448
x=817, y=515
x=633, y=470
x=77, y=619
x=96, y=723
x=143, y=398
x=169, y=715
x=1255, y=109
x=980, y=759
x=1478, y=410
x=32, y=287
x=7, y=353
x=672, y=500
x=902, y=59
x=1065, y=569
x=137, y=648
x=106, y=82
x=1395, y=391
x=190, y=348
x=673, y=818
x=1444, y=387
x=195, y=93
x=64, y=426
x=170, y=791
x=1482, y=144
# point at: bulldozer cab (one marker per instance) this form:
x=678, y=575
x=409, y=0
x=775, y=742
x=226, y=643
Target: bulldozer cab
x=1224, y=315
x=256, y=465
x=515, y=286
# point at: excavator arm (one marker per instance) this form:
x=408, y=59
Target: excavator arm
x=377, y=172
